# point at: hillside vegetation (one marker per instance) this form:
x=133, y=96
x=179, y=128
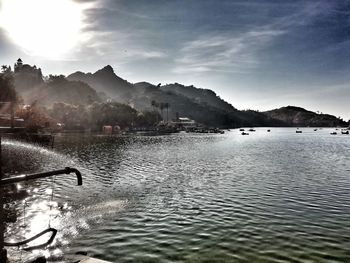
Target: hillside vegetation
x=170, y=100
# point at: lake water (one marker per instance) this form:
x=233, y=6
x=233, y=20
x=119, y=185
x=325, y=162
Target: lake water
x=266, y=197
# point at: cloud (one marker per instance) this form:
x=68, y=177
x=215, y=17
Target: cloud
x=225, y=53
x=245, y=50
x=116, y=46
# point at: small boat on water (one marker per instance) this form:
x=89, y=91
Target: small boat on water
x=298, y=131
x=251, y=130
x=315, y=129
x=245, y=133
x=241, y=130
x=345, y=132
x=268, y=130
x=333, y=133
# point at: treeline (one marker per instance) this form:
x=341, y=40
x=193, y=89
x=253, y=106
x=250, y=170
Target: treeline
x=92, y=100
x=99, y=114
x=7, y=89
x=90, y=114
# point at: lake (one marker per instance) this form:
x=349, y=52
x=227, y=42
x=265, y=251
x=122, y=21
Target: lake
x=266, y=197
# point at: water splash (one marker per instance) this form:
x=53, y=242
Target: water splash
x=20, y=157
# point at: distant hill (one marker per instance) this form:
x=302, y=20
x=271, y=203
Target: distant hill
x=198, y=104
x=202, y=105
x=106, y=81
x=26, y=77
x=62, y=90
x=33, y=87
x=296, y=116
x=201, y=96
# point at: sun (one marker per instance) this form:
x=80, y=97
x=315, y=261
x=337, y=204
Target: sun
x=45, y=28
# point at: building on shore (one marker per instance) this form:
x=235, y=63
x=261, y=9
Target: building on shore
x=184, y=123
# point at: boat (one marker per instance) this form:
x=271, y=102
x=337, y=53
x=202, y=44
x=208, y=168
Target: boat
x=268, y=130
x=241, y=130
x=245, y=133
x=345, y=132
x=251, y=130
x=315, y=129
x=333, y=133
x=298, y=131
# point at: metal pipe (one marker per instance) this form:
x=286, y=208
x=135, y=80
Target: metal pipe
x=24, y=242
x=3, y=252
x=27, y=177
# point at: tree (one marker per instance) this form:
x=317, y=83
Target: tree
x=166, y=105
x=154, y=106
x=7, y=88
x=4, y=68
x=162, y=106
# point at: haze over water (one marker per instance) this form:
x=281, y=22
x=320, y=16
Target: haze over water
x=266, y=197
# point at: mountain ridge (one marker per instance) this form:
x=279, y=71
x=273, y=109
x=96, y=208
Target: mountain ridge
x=202, y=105
x=297, y=116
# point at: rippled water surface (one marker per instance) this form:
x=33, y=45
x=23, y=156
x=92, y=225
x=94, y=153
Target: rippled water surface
x=266, y=197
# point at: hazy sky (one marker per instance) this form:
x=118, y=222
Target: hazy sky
x=258, y=54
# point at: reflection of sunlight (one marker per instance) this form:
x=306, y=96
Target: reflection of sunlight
x=41, y=218
x=41, y=27
x=70, y=222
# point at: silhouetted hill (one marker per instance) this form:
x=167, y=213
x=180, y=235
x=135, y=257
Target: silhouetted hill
x=296, y=116
x=200, y=96
x=105, y=80
x=59, y=89
x=200, y=111
x=202, y=105
x=26, y=77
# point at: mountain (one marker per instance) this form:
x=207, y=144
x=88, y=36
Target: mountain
x=106, y=81
x=203, y=105
x=296, y=116
x=32, y=87
x=201, y=96
x=26, y=77
x=170, y=100
x=71, y=92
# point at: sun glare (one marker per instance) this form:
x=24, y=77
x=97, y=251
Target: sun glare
x=46, y=28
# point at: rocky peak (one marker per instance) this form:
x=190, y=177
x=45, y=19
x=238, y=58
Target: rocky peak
x=106, y=70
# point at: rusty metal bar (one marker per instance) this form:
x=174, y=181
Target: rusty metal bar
x=27, y=177
x=3, y=252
